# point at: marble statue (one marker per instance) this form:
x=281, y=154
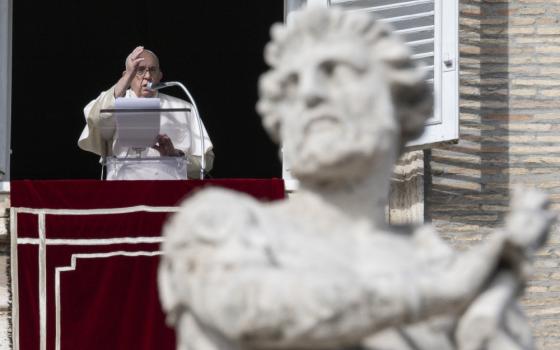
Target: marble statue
x=323, y=270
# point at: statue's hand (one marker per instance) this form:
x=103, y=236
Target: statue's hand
x=465, y=276
x=526, y=229
x=529, y=222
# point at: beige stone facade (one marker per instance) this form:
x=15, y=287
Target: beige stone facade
x=509, y=135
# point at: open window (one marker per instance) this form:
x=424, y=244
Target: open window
x=430, y=28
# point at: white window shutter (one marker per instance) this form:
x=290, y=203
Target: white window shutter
x=430, y=28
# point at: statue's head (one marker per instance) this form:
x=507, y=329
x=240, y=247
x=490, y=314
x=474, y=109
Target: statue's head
x=342, y=92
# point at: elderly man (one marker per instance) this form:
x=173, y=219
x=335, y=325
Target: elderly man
x=179, y=135
x=323, y=270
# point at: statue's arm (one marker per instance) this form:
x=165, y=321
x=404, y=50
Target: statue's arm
x=269, y=306
x=264, y=305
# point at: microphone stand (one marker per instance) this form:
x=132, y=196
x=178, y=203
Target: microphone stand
x=160, y=86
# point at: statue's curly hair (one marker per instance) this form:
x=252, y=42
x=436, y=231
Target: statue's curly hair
x=411, y=94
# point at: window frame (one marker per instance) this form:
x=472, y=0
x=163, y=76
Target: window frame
x=445, y=129
x=6, y=16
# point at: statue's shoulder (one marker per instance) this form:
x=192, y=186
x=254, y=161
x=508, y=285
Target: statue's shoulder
x=220, y=196
x=214, y=215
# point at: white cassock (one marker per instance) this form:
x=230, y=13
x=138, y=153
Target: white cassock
x=181, y=127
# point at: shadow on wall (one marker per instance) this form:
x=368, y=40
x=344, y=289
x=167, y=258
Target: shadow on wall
x=469, y=185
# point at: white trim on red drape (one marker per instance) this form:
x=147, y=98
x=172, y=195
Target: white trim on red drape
x=43, y=244
x=72, y=267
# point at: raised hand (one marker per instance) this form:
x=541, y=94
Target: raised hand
x=134, y=59
x=131, y=65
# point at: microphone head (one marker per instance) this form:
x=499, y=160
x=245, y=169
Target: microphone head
x=157, y=86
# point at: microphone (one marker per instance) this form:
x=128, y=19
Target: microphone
x=158, y=86
x=162, y=85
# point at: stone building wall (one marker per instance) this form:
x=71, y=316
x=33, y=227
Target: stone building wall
x=509, y=135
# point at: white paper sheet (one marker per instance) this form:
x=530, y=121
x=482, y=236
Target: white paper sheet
x=136, y=127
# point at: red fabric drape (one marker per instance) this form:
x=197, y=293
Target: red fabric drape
x=107, y=287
